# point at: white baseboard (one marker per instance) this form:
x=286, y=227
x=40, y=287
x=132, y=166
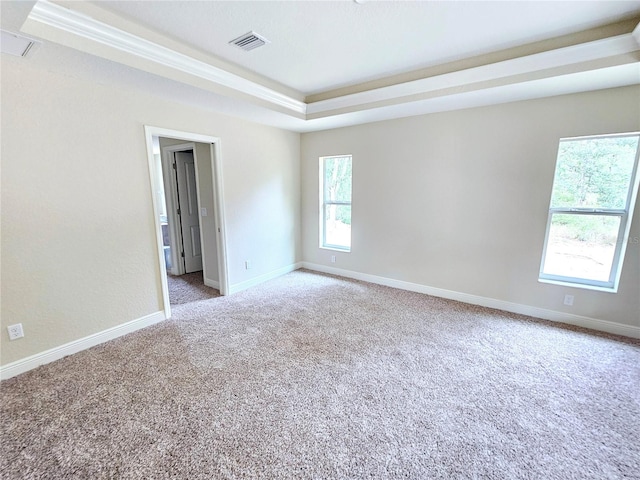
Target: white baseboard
x=238, y=287
x=212, y=283
x=553, y=315
x=33, y=361
x=56, y=353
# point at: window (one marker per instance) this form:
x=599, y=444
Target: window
x=335, y=193
x=594, y=191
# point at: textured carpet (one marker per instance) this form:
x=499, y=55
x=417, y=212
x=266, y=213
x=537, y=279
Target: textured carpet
x=189, y=288
x=312, y=376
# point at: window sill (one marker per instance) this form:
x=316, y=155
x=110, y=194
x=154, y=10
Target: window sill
x=579, y=285
x=336, y=249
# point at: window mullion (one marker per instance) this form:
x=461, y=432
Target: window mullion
x=588, y=211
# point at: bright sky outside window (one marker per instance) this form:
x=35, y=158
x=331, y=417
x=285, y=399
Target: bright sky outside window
x=335, y=191
x=594, y=191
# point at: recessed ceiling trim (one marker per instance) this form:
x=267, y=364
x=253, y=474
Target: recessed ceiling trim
x=526, y=70
x=613, y=77
x=84, y=26
x=561, y=57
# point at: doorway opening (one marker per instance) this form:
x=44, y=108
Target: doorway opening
x=186, y=181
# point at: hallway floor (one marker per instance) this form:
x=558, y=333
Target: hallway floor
x=189, y=288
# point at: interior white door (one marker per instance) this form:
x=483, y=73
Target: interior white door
x=188, y=211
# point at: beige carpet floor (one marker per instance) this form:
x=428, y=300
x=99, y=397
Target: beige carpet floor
x=316, y=377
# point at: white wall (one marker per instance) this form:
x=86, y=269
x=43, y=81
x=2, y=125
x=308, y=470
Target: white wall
x=459, y=200
x=79, y=251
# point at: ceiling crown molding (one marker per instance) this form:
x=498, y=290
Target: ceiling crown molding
x=549, y=62
x=76, y=23
x=607, y=62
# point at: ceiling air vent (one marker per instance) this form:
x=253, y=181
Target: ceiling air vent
x=15, y=44
x=249, y=41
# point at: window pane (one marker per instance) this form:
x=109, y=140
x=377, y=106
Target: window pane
x=338, y=225
x=337, y=179
x=594, y=172
x=581, y=246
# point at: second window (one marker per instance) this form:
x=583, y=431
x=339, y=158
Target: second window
x=335, y=191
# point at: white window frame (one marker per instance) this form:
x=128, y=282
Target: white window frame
x=625, y=215
x=324, y=203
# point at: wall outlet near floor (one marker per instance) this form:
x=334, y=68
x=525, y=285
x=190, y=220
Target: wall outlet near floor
x=247, y=264
x=333, y=259
x=15, y=331
x=568, y=300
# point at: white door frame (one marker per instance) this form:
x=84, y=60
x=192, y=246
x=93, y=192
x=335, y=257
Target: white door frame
x=218, y=196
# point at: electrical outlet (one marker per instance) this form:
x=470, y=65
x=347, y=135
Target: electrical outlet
x=333, y=259
x=15, y=331
x=247, y=264
x=568, y=300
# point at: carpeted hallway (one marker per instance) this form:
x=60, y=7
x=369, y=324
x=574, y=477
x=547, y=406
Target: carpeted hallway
x=188, y=288
x=313, y=376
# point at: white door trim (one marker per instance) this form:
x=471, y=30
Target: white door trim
x=218, y=195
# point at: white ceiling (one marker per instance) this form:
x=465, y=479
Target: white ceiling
x=321, y=45
x=318, y=46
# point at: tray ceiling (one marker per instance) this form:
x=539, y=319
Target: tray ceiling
x=331, y=64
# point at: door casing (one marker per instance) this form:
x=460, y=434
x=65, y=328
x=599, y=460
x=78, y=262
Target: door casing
x=218, y=196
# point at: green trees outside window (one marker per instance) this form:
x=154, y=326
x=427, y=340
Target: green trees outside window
x=594, y=189
x=335, y=185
